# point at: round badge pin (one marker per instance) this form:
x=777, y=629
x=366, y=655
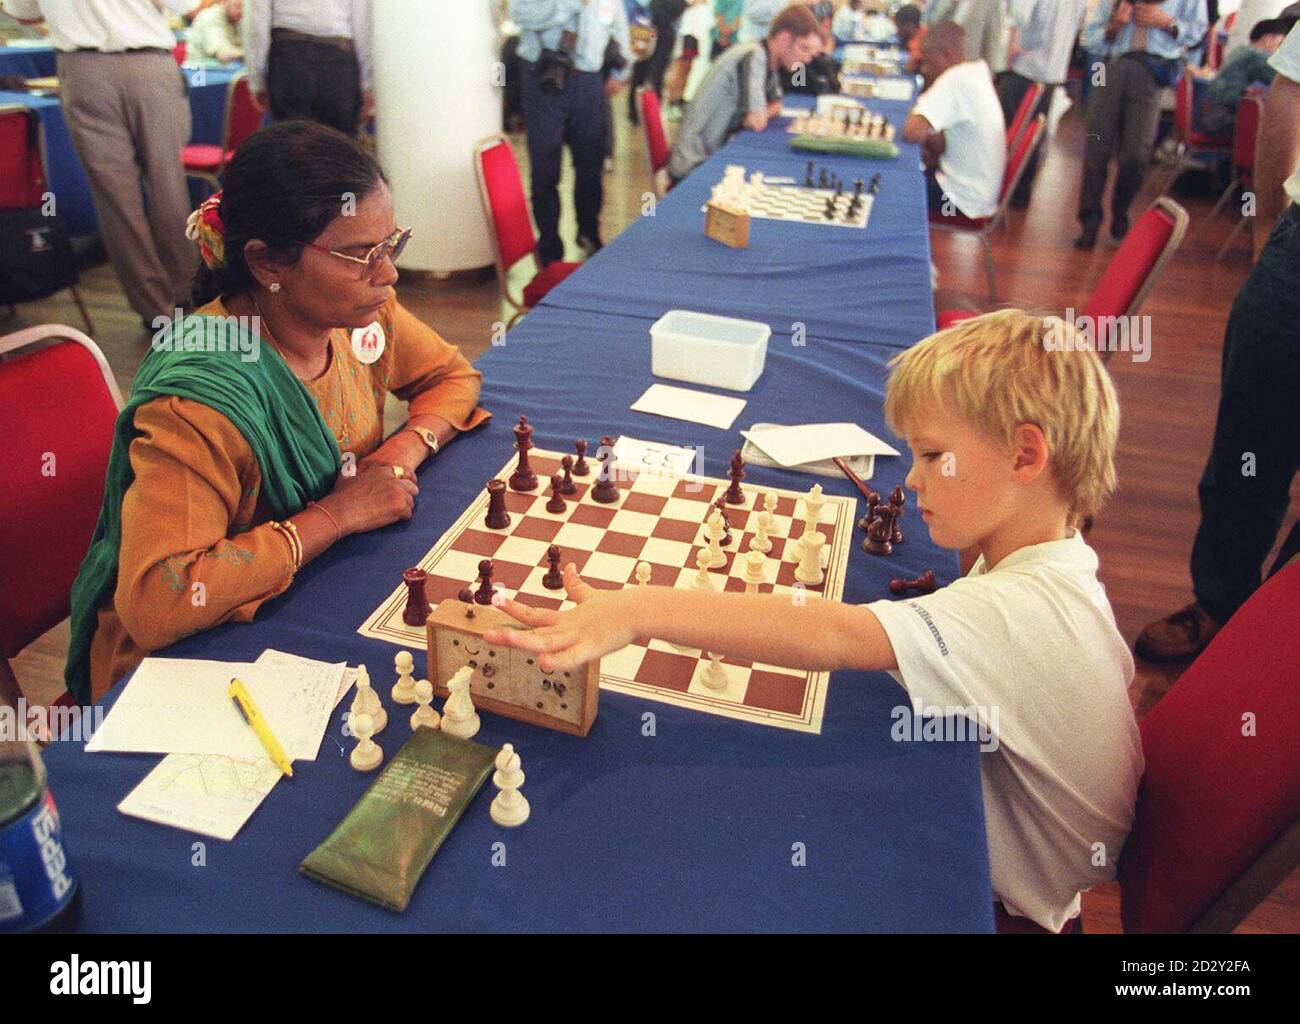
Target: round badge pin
x=368, y=342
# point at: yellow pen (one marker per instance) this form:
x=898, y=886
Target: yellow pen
x=244, y=702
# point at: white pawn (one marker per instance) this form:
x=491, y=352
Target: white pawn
x=404, y=688
x=809, y=569
x=367, y=754
x=458, y=715
x=761, y=541
x=714, y=530
x=755, y=568
x=703, y=580
x=366, y=702
x=769, y=503
x=642, y=573
x=715, y=676
x=424, y=714
x=509, y=807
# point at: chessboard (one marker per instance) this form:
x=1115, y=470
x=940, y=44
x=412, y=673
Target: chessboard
x=850, y=121
x=809, y=205
x=659, y=519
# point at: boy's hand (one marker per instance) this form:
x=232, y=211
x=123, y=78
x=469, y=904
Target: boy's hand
x=602, y=622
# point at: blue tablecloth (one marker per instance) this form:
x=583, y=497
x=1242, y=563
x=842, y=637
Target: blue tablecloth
x=694, y=828
x=840, y=283
x=207, y=88
x=27, y=61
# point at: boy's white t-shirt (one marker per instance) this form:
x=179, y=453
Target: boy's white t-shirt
x=963, y=104
x=1032, y=644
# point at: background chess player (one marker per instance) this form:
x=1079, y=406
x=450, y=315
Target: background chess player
x=229, y=473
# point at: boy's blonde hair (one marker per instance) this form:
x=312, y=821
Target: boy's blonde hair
x=1003, y=369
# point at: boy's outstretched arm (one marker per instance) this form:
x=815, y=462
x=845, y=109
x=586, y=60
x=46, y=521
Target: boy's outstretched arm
x=770, y=628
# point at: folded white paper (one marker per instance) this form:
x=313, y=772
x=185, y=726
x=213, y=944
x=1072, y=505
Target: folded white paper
x=814, y=442
x=693, y=406
x=205, y=793
x=651, y=456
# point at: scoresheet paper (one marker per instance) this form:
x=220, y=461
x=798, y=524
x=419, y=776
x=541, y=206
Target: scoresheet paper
x=180, y=706
x=210, y=794
x=692, y=406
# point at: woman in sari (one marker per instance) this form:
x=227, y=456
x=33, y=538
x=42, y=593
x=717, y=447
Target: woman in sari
x=252, y=441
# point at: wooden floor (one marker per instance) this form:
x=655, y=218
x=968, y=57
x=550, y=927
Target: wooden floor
x=1168, y=403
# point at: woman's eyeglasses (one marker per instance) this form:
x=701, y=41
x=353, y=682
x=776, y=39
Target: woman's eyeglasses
x=390, y=248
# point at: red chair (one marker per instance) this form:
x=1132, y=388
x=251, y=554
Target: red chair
x=1191, y=143
x=24, y=177
x=982, y=227
x=1132, y=272
x=1217, y=825
x=1218, y=35
x=656, y=142
x=513, y=238
x=1245, y=136
x=53, y=463
x=1023, y=112
x=207, y=162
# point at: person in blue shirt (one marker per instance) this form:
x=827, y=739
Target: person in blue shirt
x=1138, y=49
x=1244, y=66
x=563, y=46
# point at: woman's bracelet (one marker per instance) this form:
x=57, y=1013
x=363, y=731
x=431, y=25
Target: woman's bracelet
x=338, y=530
x=289, y=532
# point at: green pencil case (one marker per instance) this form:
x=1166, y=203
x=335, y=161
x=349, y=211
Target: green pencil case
x=381, y=849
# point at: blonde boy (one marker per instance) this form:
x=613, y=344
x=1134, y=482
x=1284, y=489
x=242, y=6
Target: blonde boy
x=1012, y=444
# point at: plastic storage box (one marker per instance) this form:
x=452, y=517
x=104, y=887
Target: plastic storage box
x=700, y=348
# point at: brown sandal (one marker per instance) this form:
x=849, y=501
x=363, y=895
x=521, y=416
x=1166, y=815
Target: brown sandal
x=1177, y=637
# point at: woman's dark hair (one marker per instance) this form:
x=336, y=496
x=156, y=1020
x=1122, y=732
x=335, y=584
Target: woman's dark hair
x=285, y=185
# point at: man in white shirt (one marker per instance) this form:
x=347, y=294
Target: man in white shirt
x=128, y=114
x=311, y=59
x=1041, y=41
x=1258, y=423
x=215, y=34
x=958, y=121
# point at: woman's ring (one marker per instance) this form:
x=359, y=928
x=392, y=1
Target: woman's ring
x=399, y=472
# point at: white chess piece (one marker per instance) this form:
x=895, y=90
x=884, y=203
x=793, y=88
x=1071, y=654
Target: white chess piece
x=812, y=504
x=703, y=580
x=642, y=573
x=509, y=807
x=715, y=675
x=809, y=569
x=367, y=754
x=458, y=715
x=714, y=530
x=761, y=541
x=755, y=569
x=769, y=503
x=404, y=688
x=366, y=702
x=424, y=714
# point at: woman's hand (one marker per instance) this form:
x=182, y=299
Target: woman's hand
x=604, y=621
x=372, y=497
x=405, y=449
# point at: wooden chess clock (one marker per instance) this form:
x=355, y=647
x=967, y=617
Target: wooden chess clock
x=730, y=227
x=507, y=681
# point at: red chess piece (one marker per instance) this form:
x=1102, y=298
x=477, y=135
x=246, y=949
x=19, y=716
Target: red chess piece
x=554, y=579
x=581, y=467
x=417, y=609
x=569, y=486
x=523, y=478
x=880, y=531
x=734, y=495
x=497, y=516
x=923, y=584
x=484, y=593
x=557, y=503
x=606, y=490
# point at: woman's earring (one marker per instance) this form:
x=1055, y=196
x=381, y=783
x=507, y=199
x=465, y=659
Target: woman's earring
x=274, y=286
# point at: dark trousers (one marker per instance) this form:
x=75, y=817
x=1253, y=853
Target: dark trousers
x=314, y=82
x=1123, y=116
x=1012, y=87
x=575, y=116
x=651, y=71
x=1245, y=489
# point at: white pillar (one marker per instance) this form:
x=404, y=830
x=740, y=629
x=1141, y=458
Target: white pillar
x=435, y=97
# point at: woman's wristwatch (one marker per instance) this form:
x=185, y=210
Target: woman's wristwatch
x=429, y=438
